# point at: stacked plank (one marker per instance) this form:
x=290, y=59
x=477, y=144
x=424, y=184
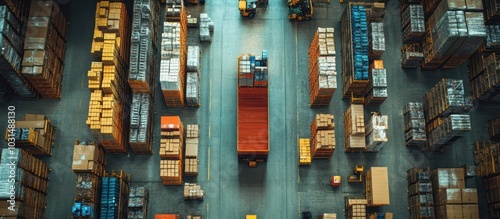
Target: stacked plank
x=142, y=74
x=355, y=60
x=252, y=108
x=411, y=55
x=376, y=132
x=376, y=40
x=141, y=123
x=483, y=75
x=494, y=128
x=173, y=58
x=420, y=199
x=354, y=129
x=449, y=130
x=323, y=136
x=138, y=199
x=322, y=67
x=413, y=23
x=172, y=138
x=376, y=91
x=110, y=93
x=355, y=208
x=451, y=198
x=414, y=125
x=89, y=165
x=44, y=48
x=12, y=37
x=192, y=145
x=449, y=41
x=486, y=156
x=304, y=152
x=192, y=191
x=491, y=12
x=193, y=68
x=34, y=134
x=29, y=188
x=114, y=195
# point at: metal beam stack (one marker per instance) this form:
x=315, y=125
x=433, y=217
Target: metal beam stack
x=414, y=128
x=109, y=105
x=138, y=200
x=173, y=57
x=141, y=123
x=376, y=91
x=376, y=39
x=449, y=130
x=193, y=68
x=322, y=67
x=206, y=28
x=44, y=48
x=413, y=24
x=11, y=40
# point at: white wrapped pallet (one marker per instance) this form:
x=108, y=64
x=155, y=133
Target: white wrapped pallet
x=193, y=59
x=192, y=89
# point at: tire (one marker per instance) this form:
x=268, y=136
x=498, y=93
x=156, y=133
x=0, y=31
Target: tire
x=251, y=15
x=299, y=18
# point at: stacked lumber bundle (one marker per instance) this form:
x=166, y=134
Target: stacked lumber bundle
x=192, y=145
x=323, y=136
x=141, y=123
x=172, y=134
x=138, y=199
x=355, y=208
x=451, y=198
x=486, y=158
x=354, y=129
x=449, y=41
x=494, y=128
x=376, y=132
x=322, y=67
x=413, y=23
x=173, y=58
x=12, y=31
x=114, y=195
x=193, y=68
x=34, y=134
x=30, y=186
x=304, y=152
x=420, y=199
x=414, y=125
x=44, y=48
x=354, y=33
x=376, y=91
x=110, y=96
x=192, y=191
x=483, y=76
x=448, y=131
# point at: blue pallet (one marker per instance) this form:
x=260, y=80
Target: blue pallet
x=360, y=42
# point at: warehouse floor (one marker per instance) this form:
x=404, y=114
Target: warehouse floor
x=278, y=188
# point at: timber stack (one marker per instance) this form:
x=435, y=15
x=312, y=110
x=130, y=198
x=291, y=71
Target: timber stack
x=110, y=95
x=322, y=67
x=323, y=136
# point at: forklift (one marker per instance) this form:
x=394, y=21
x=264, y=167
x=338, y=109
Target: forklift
x=249, y=8
x=358, y=175
x=300, y=10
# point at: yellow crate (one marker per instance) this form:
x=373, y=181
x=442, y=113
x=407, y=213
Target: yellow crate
x=304, y=151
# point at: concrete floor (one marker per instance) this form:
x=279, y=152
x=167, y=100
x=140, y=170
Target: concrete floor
x=278, y=188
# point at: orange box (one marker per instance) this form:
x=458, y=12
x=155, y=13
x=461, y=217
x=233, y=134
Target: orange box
x=166, y=216
x=170, y=123
x=378, y=64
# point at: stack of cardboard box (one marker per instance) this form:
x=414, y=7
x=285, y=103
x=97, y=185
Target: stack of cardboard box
x=304, y=151
x=355, y=208
x=192, y=191
x=354, y=129
x=323, y=136
x=420, y=200
x=34, y=134
x=192, y=145
x=172, y=131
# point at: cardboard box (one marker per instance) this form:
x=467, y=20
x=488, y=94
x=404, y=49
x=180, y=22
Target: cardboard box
x=469, y=196
x=85, y=157
x=449, y=196
x=470, y=211
x=449, y=212
x=377, y=186
x=170, y=123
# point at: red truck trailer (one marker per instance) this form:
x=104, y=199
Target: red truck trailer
x=252, y=108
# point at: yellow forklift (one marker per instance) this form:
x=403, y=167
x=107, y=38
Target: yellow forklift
x=357, y=177
x=300, y=10
x=249, y=8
